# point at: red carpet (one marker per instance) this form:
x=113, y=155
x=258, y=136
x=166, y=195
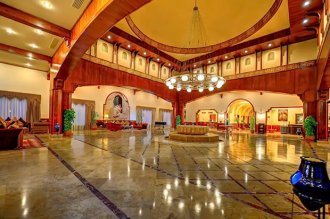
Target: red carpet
x=31, y=143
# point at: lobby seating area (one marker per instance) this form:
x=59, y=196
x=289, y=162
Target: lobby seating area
x=116, y=125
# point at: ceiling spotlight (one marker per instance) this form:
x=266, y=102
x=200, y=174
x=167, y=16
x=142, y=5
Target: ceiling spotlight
x=214, y=79
x=305, y=21
x=30, y=55
x=226, y=57
x=144, y=53
x=158, y=59
x=200, y=77
x=270, y=45
x=129, y=45
x=173, y=80
x=245, y=51
x=211, y=88
x=188, y=89
x=109, y=37
x=10, y=31
x=34, y=46
x=195, y=66
x=37, y=31
x=171, y=87
x=178, y=88
x=209, y=61
x=46, y=4
x=184, y=78
x=201, y=89
x=169, y=64
x=307, y=3
x=28, y=64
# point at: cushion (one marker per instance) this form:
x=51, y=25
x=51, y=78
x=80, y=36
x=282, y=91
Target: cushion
x=9, y=123
x=13, y=126
x=20, y=124
x=8, y=119
x=3, y=123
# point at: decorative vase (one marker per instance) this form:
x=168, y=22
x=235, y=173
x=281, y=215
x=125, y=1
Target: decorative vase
x=311, y=183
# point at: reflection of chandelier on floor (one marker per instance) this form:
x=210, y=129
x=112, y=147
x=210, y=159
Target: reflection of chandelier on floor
x=195, y=80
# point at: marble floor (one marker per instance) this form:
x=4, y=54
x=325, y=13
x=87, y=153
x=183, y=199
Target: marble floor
x=142, y=174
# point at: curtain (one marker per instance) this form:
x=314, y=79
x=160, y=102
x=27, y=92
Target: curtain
x=89, y=109
x=165, y=115
x=145, y=115
x=80, y=116
x=13, y=108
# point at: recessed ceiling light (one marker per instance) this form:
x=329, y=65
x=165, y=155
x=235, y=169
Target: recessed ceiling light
x=34, y=46
x=195, y=65
x=209, y=61
x=305, y=21
x=245, y=51
x=169, y=64
x=144, y=53
x=158, y=59
x=226, y=57
x=37, y=31
x=307, y=3
x=129, y=45
x=109, y=37
x=46, y=4
x=10, y=31
x=270, y=45
x=28, y=64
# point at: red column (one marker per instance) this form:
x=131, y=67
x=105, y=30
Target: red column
x=322, y=115
x=178, y=109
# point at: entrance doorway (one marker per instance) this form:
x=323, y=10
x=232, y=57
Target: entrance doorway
x=239, y=113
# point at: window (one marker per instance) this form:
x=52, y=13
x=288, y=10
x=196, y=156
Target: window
x=80, y=116
x=247, y=61
x=13, y=108
x=140, y=61
x=212, y=69
x=228, y=65
x=153, y=66
x=124, y=55
x=271, y=56
x=105, y=48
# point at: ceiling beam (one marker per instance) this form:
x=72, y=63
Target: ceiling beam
x=33, y=21
x=23, y=52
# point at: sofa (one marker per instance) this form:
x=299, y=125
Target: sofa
x=11, y=138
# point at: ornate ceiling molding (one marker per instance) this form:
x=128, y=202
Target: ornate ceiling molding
x=252, y=30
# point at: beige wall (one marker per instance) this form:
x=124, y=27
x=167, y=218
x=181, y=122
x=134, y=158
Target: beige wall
x=272, y=116
x=140, y=98
x=126, y=63
x=303, y=51
x=261, y=103
x=24, y=80
x=215, y=69
x=153, y=71
x=248, y=63
x=268, y=63
x=229, y=71
x=141, y=67
x=101, y=53
x=165, y=73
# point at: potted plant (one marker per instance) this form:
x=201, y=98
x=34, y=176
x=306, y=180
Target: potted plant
x=178, y=120
x=310, y=127
x=95, y=115
x=252, y=124
x=69, y=116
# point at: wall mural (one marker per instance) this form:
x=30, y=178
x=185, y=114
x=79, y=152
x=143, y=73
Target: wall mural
x=283, y=115
x=116, y=107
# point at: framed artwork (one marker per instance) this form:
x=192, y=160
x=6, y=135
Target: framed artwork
x=116, y=107
x=299, y=118
x=283, y=115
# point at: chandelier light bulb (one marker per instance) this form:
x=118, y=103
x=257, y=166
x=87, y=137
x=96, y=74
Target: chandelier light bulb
x=211, y=88
x=173, y=80
x=184, y=78
x=214, y=79
x=201, y=89
x=220, y=83
x=168, y=83
x=200, y=77
x=178, y=88
x=171, y=87
x=188, y=89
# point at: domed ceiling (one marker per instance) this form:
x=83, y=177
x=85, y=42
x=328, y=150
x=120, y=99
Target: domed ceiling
x=168, y=22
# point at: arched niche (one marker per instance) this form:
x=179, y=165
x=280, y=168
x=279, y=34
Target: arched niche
x=116, y=106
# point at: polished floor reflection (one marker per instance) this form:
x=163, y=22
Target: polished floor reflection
x=142, y=174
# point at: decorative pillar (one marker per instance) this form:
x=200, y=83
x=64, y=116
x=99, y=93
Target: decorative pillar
x=178, y=109
x=322, y=114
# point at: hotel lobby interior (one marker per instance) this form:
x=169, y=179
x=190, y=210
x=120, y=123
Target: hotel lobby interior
x=164, y=109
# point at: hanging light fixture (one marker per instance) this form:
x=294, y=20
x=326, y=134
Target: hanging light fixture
x=190, y=80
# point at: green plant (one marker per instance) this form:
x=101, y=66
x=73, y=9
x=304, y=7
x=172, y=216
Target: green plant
x=95, y=115
x=69, y=116
x=252, y=123
x=310, y=126
x=178, y=120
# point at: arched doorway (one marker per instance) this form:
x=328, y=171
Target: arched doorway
x=239, y=113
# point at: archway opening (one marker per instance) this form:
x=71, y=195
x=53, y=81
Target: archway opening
x=239, y=113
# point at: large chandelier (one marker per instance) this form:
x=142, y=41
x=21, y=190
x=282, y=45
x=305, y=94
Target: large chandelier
x=195, y=80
